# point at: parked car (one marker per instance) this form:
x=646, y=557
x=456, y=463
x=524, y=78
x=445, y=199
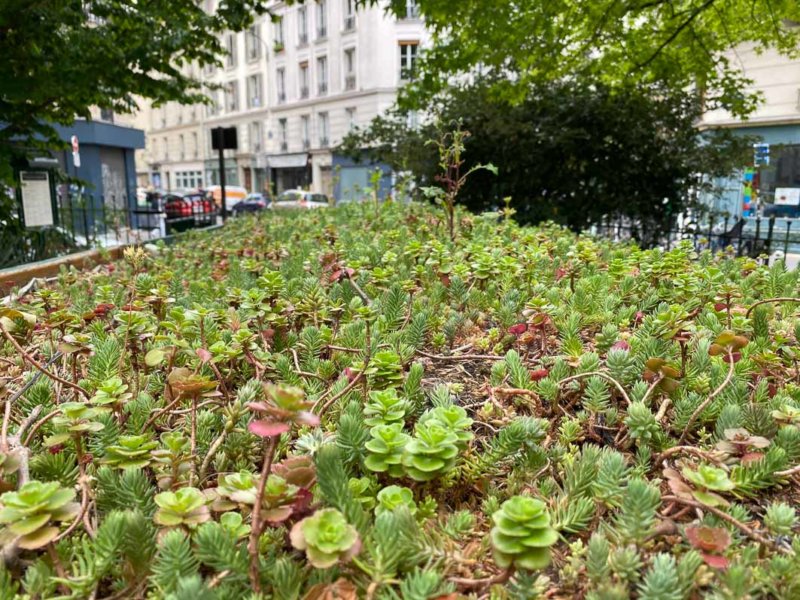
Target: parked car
x=233, y=195
x=300, y=199
x=252, y=203
x=185, y=211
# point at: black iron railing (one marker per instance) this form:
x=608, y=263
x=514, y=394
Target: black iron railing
x=742, y=236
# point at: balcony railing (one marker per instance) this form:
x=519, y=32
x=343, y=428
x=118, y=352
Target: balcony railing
x=350, y=82
x=302, y=39
x=322, y=32
x=284, y=146
x=306, y=144
x=281, y=97
x=350, y=23
x=323, y=89
x=304, y=92
x=323, y=142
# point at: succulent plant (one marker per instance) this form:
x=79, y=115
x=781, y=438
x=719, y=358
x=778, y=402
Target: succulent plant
x=76, y=419
x=780, y=518
x=185, y=507
x=385, y=370
x=29, y=514
x=386, y=449
x=522, y=535
x=712, y=542
x=326, y=537
x=111, y=392
x=131, y=452
x=392, y=497
x=728, y=343
x=708, y=480
x=455, y=419
x=738, y=442
x=285, y=405
x=385, y=407
x=431, y=452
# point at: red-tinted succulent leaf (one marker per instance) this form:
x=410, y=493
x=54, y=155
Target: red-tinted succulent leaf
x=714, y=561
x=203, y=354
x=268, y=428
x=518, y=329
x=621, y=345
x=307, y=418
x=539, y=374
x=733, y=357
x=708, y=539
x=752, y=457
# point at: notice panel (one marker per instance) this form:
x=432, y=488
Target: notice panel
x=37, y=206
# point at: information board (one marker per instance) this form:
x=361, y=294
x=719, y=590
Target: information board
x=787, y=196
x=37, y=206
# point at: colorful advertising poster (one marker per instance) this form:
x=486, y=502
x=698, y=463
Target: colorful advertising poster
x=748, y=200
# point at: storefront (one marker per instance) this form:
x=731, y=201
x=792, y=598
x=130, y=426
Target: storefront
x=289, y=171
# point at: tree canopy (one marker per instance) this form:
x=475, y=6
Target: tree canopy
x=684, y=44
x=571, y=152
x=60, y=58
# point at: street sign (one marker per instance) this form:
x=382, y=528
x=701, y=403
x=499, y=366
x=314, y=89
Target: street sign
x=225, y=135
x=787, y=196
x=761, y=155
x=76, y=152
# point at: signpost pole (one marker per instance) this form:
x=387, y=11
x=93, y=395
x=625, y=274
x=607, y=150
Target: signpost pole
x=220, y=132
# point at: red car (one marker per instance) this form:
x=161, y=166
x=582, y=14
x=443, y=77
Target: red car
x=185, y=211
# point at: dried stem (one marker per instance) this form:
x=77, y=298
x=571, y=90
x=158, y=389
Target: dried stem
x=699, y=410
x=39, y=367
x=602, y=375
x=255, y=525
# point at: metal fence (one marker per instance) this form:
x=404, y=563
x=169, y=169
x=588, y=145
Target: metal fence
x=82, y=225
x=743, y=236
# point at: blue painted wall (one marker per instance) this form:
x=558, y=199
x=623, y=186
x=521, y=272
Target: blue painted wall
x=346, y=170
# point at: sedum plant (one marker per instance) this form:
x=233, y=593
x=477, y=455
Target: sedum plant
x=522, y=535
x=131, y=452
x=431, y=452
x=326, y=537
x=30, y=515
x=186, y=507
x=385, y=407
x=385, y=449
x=393, y=497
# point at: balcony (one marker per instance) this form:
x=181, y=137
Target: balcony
x=302, y=39
x=278, y=47
x=350, y=23
x=323, y=89
x=306, y=144
x=281, y=97
x=323, y=142
x=350, y=82
x=304, y=92
x=284, y=146
x=322, y=33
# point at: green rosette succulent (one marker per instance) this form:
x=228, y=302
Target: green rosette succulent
x=431, y=452
x=111, y=391
x=131, y=452
x=386, y=449
x=522, y=535
x=709, y=480
x=453, y=418
x=385, y=407
x=326, y=537
x=234, y=489
x=29, y=513
x=393, y=497
x=185, y=507
x=76, y=418
x=385, y=370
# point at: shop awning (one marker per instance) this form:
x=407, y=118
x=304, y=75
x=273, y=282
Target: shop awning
x=288, y=161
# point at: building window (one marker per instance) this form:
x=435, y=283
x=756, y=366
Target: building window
x=302, y=25
x=408, y=59
x=412, y=9
x=412, y=119
x=305, y=130
x=322, y=75
x=188, y=180
x=106, y=114
x=322, y=19
x=166, y=149
x=255, y=136
x=350, y=69
x=351, y=118
x=194, y=145
x=212, y=108
x=230, y=49
x=280, y=84
x=182, y=146
x=323, y=129
x=254, y=91
x=232, y=96
x=304, y=82
x=283, y=134
x=252, y=44
x=349, y=15
x=278, y=41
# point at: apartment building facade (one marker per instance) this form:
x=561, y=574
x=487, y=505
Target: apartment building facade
x=775, y=165
x=293, y=87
